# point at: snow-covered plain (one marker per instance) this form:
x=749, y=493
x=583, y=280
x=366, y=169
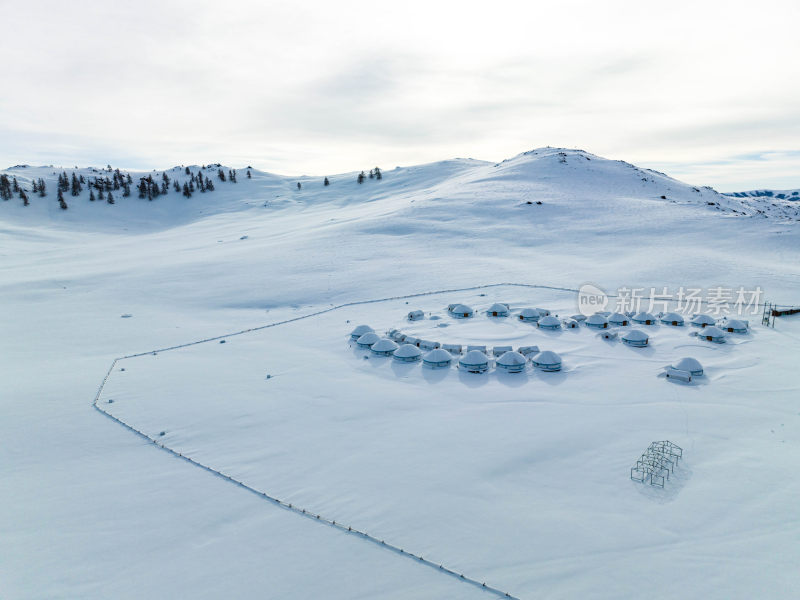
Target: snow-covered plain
x=518, y=480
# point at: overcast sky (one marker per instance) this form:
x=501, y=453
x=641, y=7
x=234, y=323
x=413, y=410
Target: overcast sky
x=708, y=92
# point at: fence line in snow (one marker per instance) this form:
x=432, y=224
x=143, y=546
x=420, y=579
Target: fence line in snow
x=294, y=508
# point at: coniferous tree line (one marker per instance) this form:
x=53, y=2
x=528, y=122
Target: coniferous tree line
x=103, y=186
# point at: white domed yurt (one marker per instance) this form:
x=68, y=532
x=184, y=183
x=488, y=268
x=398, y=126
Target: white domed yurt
x=644, y=318
x=384, y=347
x=437, y=359
x=474, y=361
x=528, y=350
x=407, y=353
x=571, y=324
x=672, y=318
x=500, y=350
x=549, y=322
x=416, y=315
x=703, y=321
x=359, y=331
x=529, y=314
x=498, y=310
x=428, y=345
x=635, y=338
x=597, y=321
x=712, y=334
x=619, y=319
x=735, y=326
x=547, y=361
x=512, y=362
x=366, y=340
x=460, y=311
x=609, y=334
x=690, y=365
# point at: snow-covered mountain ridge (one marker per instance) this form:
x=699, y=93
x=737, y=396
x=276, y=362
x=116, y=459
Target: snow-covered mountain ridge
x=566, y=180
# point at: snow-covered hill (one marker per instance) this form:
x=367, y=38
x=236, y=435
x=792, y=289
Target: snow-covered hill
x=523, y=482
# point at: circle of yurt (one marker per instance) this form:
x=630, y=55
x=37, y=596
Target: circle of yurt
x=690, y=365
x=366, y=340
x=460, y=311
x=384, y=347
x=619, y=319
x=547, y=361
x=735, y=326
x=712, y=334
x=359, y=331
x=644, y=318
x=529, y=314
x=597, y=321
x=474, y=361
x=703, y=321
x=437, y=359
x=407, y=353
x=672, y=318
x=635, y=338
x=512, y=362
x=498, y=310
x=549, y=322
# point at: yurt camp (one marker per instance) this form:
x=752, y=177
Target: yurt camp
x=498, y=310
x=635, y=338
x=644, y=318
x=712, y=334
x=359, y=331
x=460, y=311
x=474, y=361
x=619, y=319
x=366, y=340
x=384, y=347
x=549, y=322
x=407, y=353
x=547, y=361
x=672, y=318
x=703, y=321
x=512, y=362
x=597, y=321
x=437, y=359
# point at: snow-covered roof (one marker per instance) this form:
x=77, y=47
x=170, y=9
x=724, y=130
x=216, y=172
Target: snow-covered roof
x=529, y=313
x=474, y=357
x=617, y=318
x=712, y=331
x=511, y=358
x=384, y=345
x=596, y=319
x=672, y=317
x=549, y=321
x=547, y=357
x=528, y=350
x=736, y=324
x=368, y=338
x=692, y=365
x=635, y=335
x=459, y=308
x=643, y=316
x=704, y=320
x=407, y=351
x=361, y=330
x=438, y=356
x=498, y=307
